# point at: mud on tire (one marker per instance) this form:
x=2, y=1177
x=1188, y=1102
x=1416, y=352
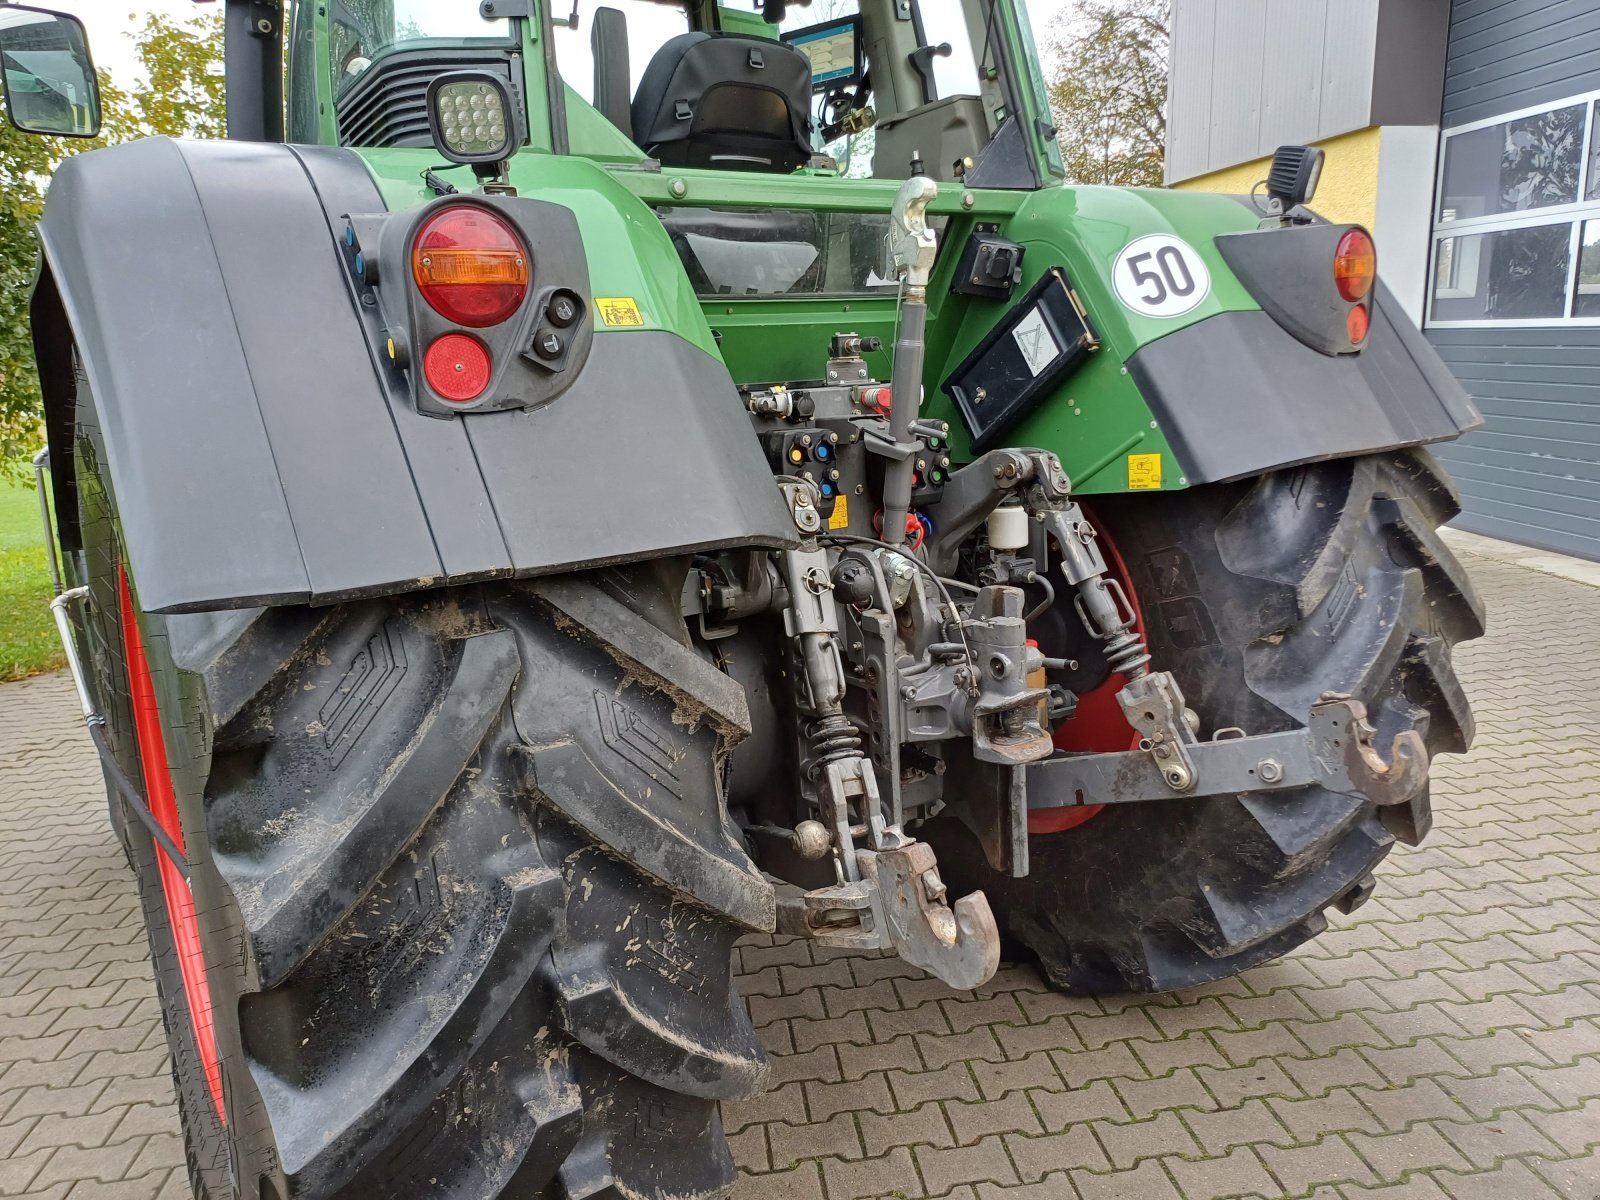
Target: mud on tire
x=429, y=839
x=1259, y=596
x=426, y=978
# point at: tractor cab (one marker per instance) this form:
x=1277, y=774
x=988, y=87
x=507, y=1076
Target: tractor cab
x=855, y=88
x=769, y=139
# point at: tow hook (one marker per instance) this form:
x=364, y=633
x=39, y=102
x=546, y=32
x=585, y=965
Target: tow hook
x=959, y=943
x=1340, y=724
x=900, y=903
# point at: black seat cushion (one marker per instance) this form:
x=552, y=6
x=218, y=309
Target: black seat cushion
x=725, y=100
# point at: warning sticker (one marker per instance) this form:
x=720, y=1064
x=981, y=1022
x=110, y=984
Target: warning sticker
x=841, y=513
x=1033, y=338
x=1144, y=471
x=619, y=310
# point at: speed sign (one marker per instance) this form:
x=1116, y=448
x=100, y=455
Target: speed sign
x=1160, y=275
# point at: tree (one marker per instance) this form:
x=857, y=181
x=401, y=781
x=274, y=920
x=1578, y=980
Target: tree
x=183, y=61
x=1110, y=91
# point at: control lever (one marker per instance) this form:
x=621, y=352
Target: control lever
x=912, y=249
x=921, y=60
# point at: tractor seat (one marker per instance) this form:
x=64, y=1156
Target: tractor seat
x=725, y=100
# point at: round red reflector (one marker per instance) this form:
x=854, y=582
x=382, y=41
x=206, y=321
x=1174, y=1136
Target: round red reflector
x=1357, y=323
x=1355, y=264
x=457, y=367
x=470, y=266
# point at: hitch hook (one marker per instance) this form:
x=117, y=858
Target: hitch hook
x=959, y=943
x=1340, y=727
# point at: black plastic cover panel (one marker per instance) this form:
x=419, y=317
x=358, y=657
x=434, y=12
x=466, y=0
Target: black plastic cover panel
x=1021, y=360
x=257, y=453
x=1236, y=395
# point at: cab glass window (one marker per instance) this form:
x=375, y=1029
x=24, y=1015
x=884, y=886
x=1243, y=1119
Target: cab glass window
x=361, y=30
x=649, y=24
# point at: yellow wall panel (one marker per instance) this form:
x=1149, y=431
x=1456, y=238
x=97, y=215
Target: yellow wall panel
x=1348, y=190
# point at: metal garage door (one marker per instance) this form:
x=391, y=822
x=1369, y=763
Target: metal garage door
x=1514, y=291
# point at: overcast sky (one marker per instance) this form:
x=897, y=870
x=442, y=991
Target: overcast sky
x=111, y=21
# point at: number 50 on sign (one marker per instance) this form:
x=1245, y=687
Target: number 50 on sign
x=1160, y=276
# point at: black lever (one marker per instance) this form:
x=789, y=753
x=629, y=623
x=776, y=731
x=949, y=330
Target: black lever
x=922, y=63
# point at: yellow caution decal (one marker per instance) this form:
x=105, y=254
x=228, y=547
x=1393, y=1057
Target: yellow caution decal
x=1144, y=472
x=619, y=311
x=841, y=513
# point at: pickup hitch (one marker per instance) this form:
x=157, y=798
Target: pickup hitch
x=900, y=903
x=1335, y=750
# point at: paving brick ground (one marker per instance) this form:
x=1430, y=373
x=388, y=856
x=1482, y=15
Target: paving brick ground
x=1442, y=1042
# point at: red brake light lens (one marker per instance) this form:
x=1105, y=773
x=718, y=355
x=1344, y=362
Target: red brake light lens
x=470, y=266
x=457, y=366
x=1355, y=265
x=1357, y=324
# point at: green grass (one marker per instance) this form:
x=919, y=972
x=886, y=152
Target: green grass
x=28, y=642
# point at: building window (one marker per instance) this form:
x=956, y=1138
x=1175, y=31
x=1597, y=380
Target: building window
x=1516, y=235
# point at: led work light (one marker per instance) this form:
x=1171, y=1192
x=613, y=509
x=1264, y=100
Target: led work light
x=1296, y=170
x=469, y=116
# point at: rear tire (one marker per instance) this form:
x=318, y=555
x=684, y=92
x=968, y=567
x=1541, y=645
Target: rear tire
x=1259, y=596
x=426, y=979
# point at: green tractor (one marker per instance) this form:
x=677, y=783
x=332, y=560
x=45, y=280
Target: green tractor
x=558, y=491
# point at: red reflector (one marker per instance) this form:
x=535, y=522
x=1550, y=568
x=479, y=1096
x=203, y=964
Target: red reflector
x=1355, y=264
x=470, y=266
x=1357, y=323
x=457, y=367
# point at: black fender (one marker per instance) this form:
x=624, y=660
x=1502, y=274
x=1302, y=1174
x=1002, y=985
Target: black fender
x=261, y=455
x=1238, y=395
x=1244, y=393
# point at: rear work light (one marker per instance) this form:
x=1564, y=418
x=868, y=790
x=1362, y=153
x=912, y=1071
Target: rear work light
x=1355, y=265
x=470, y=266
x=457, y=367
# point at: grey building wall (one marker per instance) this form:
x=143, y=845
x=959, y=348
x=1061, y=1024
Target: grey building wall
x=1532, y=474
x=1247, y=76
x=1509, y=54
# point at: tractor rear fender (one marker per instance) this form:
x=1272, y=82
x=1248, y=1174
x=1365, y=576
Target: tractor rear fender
x=1222, y=386
x=260, y=451
x=1239, y=394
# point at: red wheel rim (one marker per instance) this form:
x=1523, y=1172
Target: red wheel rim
x=1098, y=726
x=164, y=806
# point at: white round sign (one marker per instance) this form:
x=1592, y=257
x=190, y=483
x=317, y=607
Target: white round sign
x=1160, y=276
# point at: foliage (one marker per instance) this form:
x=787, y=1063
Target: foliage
x=1110, y=91
x=184, y=63
x=184, y=97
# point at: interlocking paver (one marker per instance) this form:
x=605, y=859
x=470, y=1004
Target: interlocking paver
x=1037, y=1157
x=1058, y=1110
x=1012, y=1114
x=1444, y=1041
x=925, y=1126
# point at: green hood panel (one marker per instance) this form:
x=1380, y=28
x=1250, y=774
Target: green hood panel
x=1097, y=418
x=630, y=255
